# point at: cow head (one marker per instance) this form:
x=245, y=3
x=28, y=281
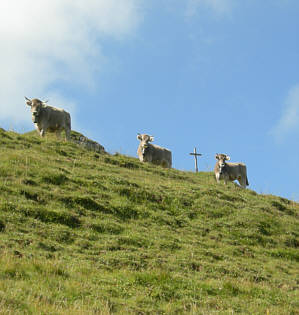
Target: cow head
x=36, y=106
x=221, y=160
x=144, y=141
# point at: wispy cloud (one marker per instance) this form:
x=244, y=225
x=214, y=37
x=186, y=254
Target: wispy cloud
x=218, y=7
x=289, y=121
x=51, y=41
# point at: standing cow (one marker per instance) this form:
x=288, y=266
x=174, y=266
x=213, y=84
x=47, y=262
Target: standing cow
x=49, y=118
x=230, y=171
x=148, y=152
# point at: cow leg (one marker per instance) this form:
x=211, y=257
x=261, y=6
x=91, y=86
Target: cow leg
x=67, y=135
x=165, y=164
x=42, y=132
x=226, y=179
x=38, y=129
x=242, y=182
x=58, y=134
x=217, y=178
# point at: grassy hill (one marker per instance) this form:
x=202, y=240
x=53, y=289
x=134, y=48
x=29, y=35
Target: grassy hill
x=84, y=233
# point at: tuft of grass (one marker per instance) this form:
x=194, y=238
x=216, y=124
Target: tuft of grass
x=54, y=179
x=2, y=226
x=49, y=216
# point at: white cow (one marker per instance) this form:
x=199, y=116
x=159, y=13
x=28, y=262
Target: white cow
x=49, y=118
x=155, y=154
x=230, y=171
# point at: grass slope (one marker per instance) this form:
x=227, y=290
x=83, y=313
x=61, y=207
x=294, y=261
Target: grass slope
x=83, y=233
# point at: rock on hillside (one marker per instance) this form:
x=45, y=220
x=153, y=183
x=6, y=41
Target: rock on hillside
x=79, y=139
x=88, y=144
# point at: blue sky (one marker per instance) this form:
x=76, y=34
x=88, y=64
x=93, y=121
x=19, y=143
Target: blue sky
x=221, y=75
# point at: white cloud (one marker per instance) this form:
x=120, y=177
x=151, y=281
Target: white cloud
x=50, y=41
x=289, y=120
x=219, y=7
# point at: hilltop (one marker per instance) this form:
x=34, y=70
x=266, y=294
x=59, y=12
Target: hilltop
x=89, y=233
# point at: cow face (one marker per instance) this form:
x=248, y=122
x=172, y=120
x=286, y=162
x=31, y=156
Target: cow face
x=222, y=158
x=36, y=106
x=144, y=141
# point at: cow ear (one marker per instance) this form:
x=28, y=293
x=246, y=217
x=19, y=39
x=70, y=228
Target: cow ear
x=217, y=156
x=139, y=137
x=151, y=138
x=227, y=158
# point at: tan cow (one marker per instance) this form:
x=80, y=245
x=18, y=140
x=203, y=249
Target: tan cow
x=230, y=171
x=48, y=118
x=155, y=154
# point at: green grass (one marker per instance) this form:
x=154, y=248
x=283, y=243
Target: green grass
x=84, y=233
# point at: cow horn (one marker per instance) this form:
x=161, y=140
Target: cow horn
x=46, y=101
x=28, y=101
x=139, y=136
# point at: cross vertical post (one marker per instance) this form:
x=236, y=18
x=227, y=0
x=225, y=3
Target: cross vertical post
x=195, y=154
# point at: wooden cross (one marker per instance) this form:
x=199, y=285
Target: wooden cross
x=195, y=158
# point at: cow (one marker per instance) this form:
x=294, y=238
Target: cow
x=230, y=171
x=155, y=154
x=48, y=118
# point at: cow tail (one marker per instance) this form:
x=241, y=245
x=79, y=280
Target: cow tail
x=247, y=183
x=69, y=122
